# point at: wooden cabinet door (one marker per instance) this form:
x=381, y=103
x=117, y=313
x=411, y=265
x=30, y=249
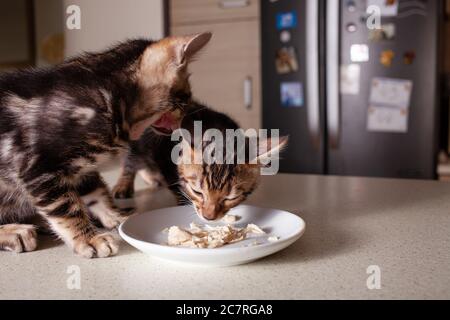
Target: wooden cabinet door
x=226, y=74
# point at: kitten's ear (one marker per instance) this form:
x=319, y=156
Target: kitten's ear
x=269, y=149
x=190, y=45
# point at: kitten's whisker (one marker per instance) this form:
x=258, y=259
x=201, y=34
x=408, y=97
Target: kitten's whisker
x=195, y=111
x=174, y=184
x=184, y=195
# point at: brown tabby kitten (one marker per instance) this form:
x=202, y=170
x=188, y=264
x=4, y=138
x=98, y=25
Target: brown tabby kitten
x=212, y=189
x=57, y=125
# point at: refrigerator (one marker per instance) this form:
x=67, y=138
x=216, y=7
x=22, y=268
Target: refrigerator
x=354, y=84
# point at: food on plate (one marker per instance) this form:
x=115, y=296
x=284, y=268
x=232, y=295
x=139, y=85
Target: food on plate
x=230, y=218
x=207, y=236
x=253, y=228
x=273, y=239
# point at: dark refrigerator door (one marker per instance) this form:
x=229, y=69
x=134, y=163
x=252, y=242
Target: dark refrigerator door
x=301, y=117
x=355, y=150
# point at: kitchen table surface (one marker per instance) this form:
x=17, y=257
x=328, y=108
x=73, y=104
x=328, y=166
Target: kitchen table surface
x=400, y=226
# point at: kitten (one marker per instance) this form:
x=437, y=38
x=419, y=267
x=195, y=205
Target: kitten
x=57, y=125
x=212, y=189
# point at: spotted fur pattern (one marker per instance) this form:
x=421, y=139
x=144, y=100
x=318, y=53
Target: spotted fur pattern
x=58, y=125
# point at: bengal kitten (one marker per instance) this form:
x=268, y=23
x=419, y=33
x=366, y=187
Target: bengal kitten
x=212, y=189
x=58, y=125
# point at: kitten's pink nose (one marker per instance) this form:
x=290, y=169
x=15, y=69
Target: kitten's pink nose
x=209, y=212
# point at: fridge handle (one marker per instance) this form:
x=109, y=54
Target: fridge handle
x=312, y=71
x=332, y=75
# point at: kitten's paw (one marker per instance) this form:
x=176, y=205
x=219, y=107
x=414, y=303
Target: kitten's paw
x=99, y=246
x=18, y=238
x=155, y=185
x=154, y=180
x=123, y=191
x=112, y=221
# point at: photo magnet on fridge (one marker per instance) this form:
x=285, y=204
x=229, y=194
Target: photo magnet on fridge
x=286, y=20
x=387, y=57
x=359, y=53
x=409, y=57
x=291, y=94
x=385, y=33
x=286, y=60
x=350, y=79
x=388, y=8
x=391, y=92
x=383, y=119
x=389, y=105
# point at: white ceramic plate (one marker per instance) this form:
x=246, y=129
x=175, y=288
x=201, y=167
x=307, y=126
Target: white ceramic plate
x=144, y=232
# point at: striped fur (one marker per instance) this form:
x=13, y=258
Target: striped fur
x=212, y=189
x=58, y=125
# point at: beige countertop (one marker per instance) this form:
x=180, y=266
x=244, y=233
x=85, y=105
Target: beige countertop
x=403, y=227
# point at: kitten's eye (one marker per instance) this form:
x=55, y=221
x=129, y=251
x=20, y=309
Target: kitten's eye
x=232, y=198
x=199, y=193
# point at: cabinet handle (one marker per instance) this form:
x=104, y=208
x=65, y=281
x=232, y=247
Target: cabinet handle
x=231, y=4
x=248, y=95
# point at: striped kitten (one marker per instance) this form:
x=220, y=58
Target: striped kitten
x=57, y=126
x=212, y=189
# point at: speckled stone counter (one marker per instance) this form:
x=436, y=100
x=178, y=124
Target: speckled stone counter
x=403, y=227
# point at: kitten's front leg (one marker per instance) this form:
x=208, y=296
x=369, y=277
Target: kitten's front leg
x=99, y=201
x=61, y=205
x=124, y=188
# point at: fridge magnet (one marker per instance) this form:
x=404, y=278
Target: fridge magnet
x=387, y=8
x=286, y=60
x=391, y=92
x=286, y=20
x=351, y=6
x=291, y=94
x=409, y=57
x=359, y=53
x=383, y=119
x=385, y=33
x=389, y=105
x=350, y=75
x=351, y=27
x=386, y=58
x=285, y=36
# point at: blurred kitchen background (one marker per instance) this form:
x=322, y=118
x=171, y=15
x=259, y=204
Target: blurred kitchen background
x=355, y=98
